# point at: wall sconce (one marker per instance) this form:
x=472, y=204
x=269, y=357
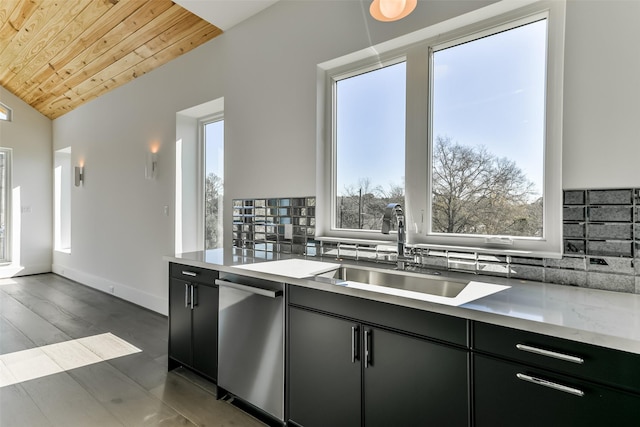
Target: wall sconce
x=391, y=10
x=79, y=175
x=151, y=165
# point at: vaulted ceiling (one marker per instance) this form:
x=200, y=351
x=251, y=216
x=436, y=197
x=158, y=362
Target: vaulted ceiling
x=59, y=54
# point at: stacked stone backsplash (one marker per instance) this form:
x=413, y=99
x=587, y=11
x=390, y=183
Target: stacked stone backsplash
x=601, y=232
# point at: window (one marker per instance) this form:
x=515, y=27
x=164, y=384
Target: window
x=474, y=158
x=5, y=206
x=213, y=134
x=62, y=184
x=487, y=134
x=5, y=112
x=369, y=146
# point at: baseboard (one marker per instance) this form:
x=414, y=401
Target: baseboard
x=120, y=290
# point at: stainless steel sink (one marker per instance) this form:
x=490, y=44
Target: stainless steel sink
x=399, y=280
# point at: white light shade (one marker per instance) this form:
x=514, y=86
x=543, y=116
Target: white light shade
x=391, y=10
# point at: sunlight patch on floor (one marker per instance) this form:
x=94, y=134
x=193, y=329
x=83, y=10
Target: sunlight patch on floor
x=5, y=282
x=51, y=359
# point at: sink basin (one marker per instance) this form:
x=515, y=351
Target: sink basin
x=405, y=284
x=400, y=280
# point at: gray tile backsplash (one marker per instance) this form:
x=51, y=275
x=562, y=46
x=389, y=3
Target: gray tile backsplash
x=262, y=227
x=610, y=197
x=605, y=231
x=574, y=198
x=601, y=232
x=610, y=213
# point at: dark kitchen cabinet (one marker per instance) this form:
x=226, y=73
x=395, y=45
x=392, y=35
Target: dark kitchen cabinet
x=350, y=372
x=193, y=320
x=513, y=394
x=527, y=379
x=324, y=378
x=413, y=382
x=180, y=339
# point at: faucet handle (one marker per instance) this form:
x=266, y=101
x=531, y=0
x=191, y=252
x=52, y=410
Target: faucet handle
x=388, y=215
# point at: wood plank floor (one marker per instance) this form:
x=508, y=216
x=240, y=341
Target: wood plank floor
x=133, y=390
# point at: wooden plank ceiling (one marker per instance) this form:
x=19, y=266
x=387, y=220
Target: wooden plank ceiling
x=58, y=54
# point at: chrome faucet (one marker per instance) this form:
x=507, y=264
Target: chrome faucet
x=389, y=211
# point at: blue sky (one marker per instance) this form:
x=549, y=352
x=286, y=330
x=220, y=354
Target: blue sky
x=214, y=154
x=488, y=92
x=371, y=122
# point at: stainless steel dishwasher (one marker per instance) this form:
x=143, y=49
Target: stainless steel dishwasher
x=251, y=341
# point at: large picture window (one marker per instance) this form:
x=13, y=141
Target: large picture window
x=487, y=134
x=464, y=132
x=369, y=145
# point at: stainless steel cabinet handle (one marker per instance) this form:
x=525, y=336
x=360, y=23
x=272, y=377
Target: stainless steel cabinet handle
x=189, y=273
x=367, y=350
x=250, y=289
x=186, y=295
x=549, y=353
x=354, y=344
x=192, y=296
x=555, y=386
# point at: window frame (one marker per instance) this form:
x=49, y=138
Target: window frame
x=335, y=78
x=6, y=113
x=8, y=206
x=63, y=183
x=485, y=21
x=202, y=123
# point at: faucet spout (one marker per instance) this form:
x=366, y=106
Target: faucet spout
x=391, y=210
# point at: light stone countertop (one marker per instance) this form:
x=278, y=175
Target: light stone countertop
x=604, y=318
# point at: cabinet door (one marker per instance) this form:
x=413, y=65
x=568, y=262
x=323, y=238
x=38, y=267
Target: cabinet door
x=324, y=374
x=205, y=330
x=413, y=382
x=505, y=396
x=179, y=321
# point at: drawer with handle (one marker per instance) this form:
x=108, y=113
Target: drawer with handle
x=591, y=362
x=515, y=394
x=192, y=274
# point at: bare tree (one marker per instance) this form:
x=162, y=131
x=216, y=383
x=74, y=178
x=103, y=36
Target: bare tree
x=473, y=192
x=212, y=203
x=476, y=192
x=361, y=206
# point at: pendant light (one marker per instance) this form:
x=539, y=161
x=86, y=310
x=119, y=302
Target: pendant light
x=391, y=10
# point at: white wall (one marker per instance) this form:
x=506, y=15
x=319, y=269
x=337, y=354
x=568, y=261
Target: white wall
x=119, y=230
x=265, y=68
x=29, y=135
x=602, y=95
